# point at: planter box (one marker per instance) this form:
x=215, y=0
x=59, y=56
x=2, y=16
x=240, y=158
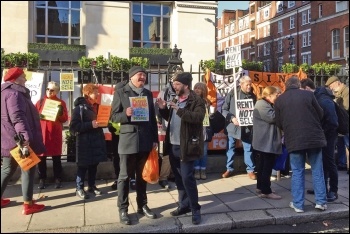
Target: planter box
x=58, y=55
x=154, y=59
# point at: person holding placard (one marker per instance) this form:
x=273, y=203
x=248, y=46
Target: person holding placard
x=19, y=117
x=234, y=131
x=90, y=140
x=52, y=133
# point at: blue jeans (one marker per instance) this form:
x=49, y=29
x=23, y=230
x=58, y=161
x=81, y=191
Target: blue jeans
x=342, y=142
x=248, y=154
x=297, y=163
x=92, y=170
x=202, y=163
x=184, y=179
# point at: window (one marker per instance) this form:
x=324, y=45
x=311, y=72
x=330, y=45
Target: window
x=151, y=25
x=304, y=19
x=268, y=30
x=309, y=38
x=341, y=6
x=264, y=31
x=279, y=5
x=306, y=58
x=226, y=30
x=292, y=59
x=232, y=28
x=279, y=45
x=308, y=16
x=306, y=39
x=291, y=22
x=266, y=49
x=267, y=66
x=346, y=41
x=219, y=34
x=58, y=22
x=280, y=26
x=291, y=4
x=266, y=13
x=280, y=64
x=319, y=10
x=335, y=43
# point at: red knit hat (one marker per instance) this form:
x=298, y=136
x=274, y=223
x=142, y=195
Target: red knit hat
x=13, y=73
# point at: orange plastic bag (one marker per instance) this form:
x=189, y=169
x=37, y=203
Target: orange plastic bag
x=150, y=172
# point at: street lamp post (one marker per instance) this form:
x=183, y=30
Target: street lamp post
x=291, y=44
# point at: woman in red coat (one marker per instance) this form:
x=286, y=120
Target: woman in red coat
x=52, y=135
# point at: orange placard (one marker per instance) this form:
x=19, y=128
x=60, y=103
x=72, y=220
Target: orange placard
x=103, y=115
x=26, y=162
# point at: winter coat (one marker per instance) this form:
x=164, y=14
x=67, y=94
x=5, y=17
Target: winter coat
x=342, y=97
x=267, y=137
x=299, y=116
x=134, y=136
x=325, y=98
x=167, y=94
x=19, y=115
x=52, y=130
x=90, y=142
x=229, y=111
x=192, y=116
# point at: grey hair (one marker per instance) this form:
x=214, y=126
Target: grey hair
x=293, y=82
x=55, y=85
x=244, y=79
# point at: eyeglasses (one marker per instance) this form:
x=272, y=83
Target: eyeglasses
x=50, y=90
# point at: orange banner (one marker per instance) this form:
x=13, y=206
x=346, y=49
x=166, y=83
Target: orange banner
x=25, y=162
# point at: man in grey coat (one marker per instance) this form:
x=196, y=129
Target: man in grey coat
x=136, y=140
x=299, y=116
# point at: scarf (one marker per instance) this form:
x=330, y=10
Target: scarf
x=135, y=89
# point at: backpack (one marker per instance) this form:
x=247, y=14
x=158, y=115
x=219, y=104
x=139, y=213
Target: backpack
x=343, y=119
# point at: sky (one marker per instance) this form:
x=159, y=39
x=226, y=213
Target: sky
x=231, y=5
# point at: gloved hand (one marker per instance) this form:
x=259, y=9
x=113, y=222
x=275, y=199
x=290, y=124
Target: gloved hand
x=111, y=128
x=60, y=110
x=41, y=116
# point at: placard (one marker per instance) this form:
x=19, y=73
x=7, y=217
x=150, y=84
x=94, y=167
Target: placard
x=26, y=162
x=245, y=108
x=66, y=82
x=50, y=110
x=103, y=115
x=140, y=108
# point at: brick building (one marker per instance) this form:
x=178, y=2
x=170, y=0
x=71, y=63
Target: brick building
x=279, y=32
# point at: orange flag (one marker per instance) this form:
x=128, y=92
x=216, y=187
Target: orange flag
x=212, y=92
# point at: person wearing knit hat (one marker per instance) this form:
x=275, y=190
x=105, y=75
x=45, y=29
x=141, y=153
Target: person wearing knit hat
x=135, y=69
x=184, y=78
x=19, y=117
x=13, y=73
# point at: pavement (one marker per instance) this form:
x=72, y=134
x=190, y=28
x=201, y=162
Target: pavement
x=230, y=203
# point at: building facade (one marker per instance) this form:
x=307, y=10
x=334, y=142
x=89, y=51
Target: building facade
x=279, y=32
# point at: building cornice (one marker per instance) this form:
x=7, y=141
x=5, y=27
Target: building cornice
x=196, y=6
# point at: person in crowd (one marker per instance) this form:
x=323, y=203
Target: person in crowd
x=267, y=140
x=19, y=117
x=200, y=165
x=341, y=92
x=91, y=145
x=136, y=140
x=301, y=137
x=329, y=123
x=234, y=131
x=167, y=94
x=184, y=139
x=52, y=134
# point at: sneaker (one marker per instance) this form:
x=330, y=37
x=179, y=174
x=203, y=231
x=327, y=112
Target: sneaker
x=132, y=184
x=203, y=175
x=94, y=190
x=41, y=184
x=252, y=175
x=163, y=183
x=197, y=174
x=58, y=183
x=31, y=209
x=332, y=196
x=291, y=205
x=114, y=185
x=321, y=207
x=82, y=194
x=5, y=202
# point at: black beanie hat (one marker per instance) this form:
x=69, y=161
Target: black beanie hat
x=184, y=78
x=136, y=69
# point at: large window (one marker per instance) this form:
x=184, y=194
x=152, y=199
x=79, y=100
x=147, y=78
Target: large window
x=151, y=25
x=336, y=43
x=58, y=22
x=341, y=6
x=291, y=22
x=280, y=26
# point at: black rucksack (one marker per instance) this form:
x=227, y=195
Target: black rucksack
x=343, y=119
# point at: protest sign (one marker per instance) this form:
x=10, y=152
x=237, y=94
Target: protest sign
x=25, y=162
x=140, y=108
x=50, y=109
x=66, y=82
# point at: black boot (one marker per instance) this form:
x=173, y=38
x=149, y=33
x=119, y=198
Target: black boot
x=146, y=212
x=196, y=217
x=124, y=218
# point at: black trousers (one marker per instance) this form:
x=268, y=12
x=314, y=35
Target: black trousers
x=266, y=161
x=129, y=164
x=57, y=167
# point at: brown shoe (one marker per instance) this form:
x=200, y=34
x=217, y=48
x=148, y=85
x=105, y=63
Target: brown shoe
x=252, y=175
x=270, y=196
x=227, y=174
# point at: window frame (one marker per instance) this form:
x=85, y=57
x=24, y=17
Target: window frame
x=292, y=22
x=346, y=41
x=291, y=4
x=320, y=10
x=337, y=43
x=280, y=26
x=341, y=6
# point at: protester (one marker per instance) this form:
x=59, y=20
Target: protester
x=299, y=116
x=91, y=145
x=167, y=94
x=19, y=116
x=200, y=165
x=234, y=131
x=341, y=92
x=329, y=124
x=184, y=140
x=267, y=140
x=52, y=134
x=136, y=140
